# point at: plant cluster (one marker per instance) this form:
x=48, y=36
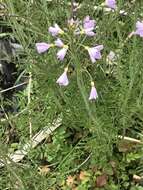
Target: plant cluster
x=98, y=96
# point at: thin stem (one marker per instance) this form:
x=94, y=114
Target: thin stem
x=88, y=74
x=79, y=166
x=29, y=100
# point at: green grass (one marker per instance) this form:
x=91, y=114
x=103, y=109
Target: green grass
x=87, y=139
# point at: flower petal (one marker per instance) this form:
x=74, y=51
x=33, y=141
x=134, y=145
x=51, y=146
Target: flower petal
x=111, y=4
x=93, y=93
x=99, y=47
x=139, y=25
x=55, y=30
x=63, y=79
x=139, y=28
x=59, y=43
x=94, y=53
x=88, y=23
x=42, y=47
x=89, y=32
x=61, y=53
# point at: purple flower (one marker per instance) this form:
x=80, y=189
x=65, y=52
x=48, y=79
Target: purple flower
x=93, y=93
x=42, y=47
x=88, y=23
x=63, y=79
x=139, y=29
x=88, y=32
x=88, y=26
x=59, y=43
x=94, y=52
x=61, y=53
x=111, y=3
x=55, y=30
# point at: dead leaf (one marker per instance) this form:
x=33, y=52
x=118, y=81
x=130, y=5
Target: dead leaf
x=137, y=178
x=127, y=146
x=70, y=180
x=74, y=188
x=101, y=180
x=43, y=170
x=113, y=163
x=84, y=176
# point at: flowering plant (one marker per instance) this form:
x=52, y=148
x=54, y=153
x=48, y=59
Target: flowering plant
x=76, y=31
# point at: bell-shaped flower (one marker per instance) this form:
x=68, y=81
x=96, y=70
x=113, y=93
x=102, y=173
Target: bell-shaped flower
x=55, y=30
x=43, y=47
x=88, y=26
x=61, y=53
x=63, y=79
x=111, y=4
x=88, y=23
x=93, y=93
x=59, y=43
x=139, y=29
x=94, y=52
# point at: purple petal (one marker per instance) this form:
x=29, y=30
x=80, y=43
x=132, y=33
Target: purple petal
x=97, y=55
x=63, y=79
x=94, y=53
x=89, y=32
x=42, y=47
x=91, y=54
x=111, y=3
x=139, y=32
x=139, y=25
x=139, y=29
x=55, y=30
x=86, y=19
x=99, y=47
x=59, y=43
x=93, y=60
x=93, y=93
x=61, y=53
x=88, y=23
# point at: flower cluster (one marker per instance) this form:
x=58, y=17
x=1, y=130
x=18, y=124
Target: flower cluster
x=86, y=27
